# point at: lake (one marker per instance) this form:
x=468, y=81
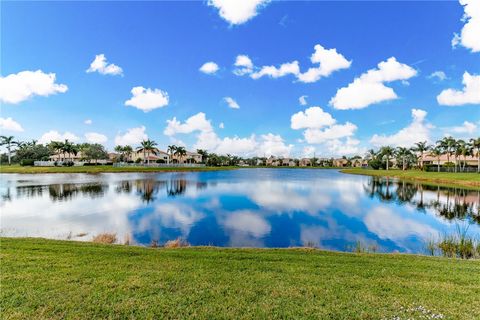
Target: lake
x=237, y=208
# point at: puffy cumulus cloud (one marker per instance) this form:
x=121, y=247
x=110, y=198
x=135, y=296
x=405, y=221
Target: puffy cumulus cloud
x=303, y=100
x=328, y=60
x=54, y=135
x=467, y=127
x=94, y=137
x=100, y=65
x=470, y=94
x=334, y=132
x=19, y=87
x=147, y=99
x=469, y=37
x=207, y=138
x=369, y=88
x=313, y=118
x=88, y=121
x=243, y=65
x=248, y=222
x=417, y=130
x=439, y=75
x=209, y=67
x=231, y=103
x=131, y=137
x=8, y=124
x=237, y=12
x=348, y=146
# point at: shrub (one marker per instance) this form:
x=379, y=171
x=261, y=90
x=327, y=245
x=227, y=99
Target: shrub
x=27, y=162
x=108, y=238
x=138, y=160
x=68, y=163
x=177, y=243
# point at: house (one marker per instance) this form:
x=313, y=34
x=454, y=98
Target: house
x=359, y=163
x=340, y=163
x=59, y=156
x=190, y=157
x=154, y=155
x=272, y=161
x=305, y=162
x=431, y=159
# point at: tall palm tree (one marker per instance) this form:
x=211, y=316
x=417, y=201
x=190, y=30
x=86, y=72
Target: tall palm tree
x=170, y=151
x=387, y=152
x=437, y=152
x=204, y=154
x=148, y=146
x=475, y=143
x=180, y=152
x=9, y=143
x=447, y=144
x=127, y=152
x=403, y=153
x=421, y=147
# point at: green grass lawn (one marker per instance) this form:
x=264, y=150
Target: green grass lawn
x=444, y=178
x=47, y=279
x=100, y=169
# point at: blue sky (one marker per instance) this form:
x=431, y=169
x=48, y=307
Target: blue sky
x=160, y=47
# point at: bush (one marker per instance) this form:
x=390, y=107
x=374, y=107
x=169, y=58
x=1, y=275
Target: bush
x=138, y=160
x=27, y=162
x=68, y=163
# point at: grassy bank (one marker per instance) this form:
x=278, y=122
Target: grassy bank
x=443, y=178
x=100, y=169
x=60, y=279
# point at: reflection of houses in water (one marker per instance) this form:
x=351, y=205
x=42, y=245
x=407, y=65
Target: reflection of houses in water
x=148, y=189
x=451, y=203
x=68, y=191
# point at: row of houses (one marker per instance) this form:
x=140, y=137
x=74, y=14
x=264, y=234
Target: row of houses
x=140, y=155
x=308, y=162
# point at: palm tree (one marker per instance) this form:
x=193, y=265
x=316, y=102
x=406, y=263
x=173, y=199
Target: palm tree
x=147, y=146
x=475, y=143
x=403, y=153
x=437, y=152
x=127, y=152
x=421, y=147
x=9, y=143
x=170, y=151
x=56, y=146
x=204, y=154
x=387, y=152
x=447, y=144
x=180, y=152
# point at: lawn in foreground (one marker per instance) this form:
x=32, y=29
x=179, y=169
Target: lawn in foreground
x=444, y=178
x=61, y=279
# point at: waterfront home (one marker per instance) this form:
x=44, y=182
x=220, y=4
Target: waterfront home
x=66, y=156
x=305, y=162
x=189, y=157
x=443, y=159
x=340, y=163
x=155, y=155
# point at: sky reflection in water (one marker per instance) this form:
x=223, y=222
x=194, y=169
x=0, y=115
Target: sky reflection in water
x=247, y=207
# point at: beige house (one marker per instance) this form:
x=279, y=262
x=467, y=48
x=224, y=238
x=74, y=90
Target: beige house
x=154, y=155
x=305, y=162
x=341, y=163
x=431, y=159
x=190, y=157
x=66, y=156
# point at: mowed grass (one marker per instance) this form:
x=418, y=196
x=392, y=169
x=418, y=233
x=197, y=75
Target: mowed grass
x=102, y=168
x=47, y=279
x=444, y=178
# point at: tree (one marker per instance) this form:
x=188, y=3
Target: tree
x=437, y=152
x=180, y=152
x=31, y=151
x=204, y=154
x=447, y=144
x=387, y=152
x=402, y=153
x=170, y=151
x=147, y=146
x=475, y=143
x=421, y=147
x=9, y=143
x=94, y=151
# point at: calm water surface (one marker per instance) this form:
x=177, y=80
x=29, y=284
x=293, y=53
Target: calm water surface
x=246, y=207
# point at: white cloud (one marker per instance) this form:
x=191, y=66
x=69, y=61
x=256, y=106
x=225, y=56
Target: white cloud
x=303, y=100
x=313, y=117
x=243, y=65
x=466, y=128
x=248, y=222
x=19, y=87
x=94, y=137
x=348, y=146
x=54, y=135
x=100, y=65
x=470, y=34
x=147, y=99
x=336, y=131
x=209, y=67
x=470, y=94
x=328, y=60
x=231, y=103
x=9, y=124
x=417, y=130
x=440, y=75
x=207, y=139
x=369, y=88
x=221, y=125
x=88, y=121
x=131, y=137
x=237, y=12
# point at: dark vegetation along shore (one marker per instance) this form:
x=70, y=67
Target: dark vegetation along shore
x=47, y=279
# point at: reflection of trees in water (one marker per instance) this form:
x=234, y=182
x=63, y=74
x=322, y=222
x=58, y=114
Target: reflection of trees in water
x=176, y=187
x=450, y=202
x=30, y=191
x=68, y=191
x=147, y=189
